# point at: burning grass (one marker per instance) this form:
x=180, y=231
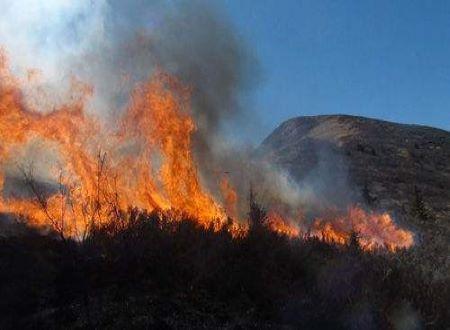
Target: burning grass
x=148, y=163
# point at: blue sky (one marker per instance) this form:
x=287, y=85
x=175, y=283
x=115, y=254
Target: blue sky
x=382, y=59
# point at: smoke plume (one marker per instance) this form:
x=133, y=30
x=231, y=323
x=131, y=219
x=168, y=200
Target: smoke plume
x=112, y=45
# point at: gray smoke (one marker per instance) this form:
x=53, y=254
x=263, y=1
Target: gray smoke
x=114, y=44
x=101, y=42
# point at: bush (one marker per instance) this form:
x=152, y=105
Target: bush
x=147, y=270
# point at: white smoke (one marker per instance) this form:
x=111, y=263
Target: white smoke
x=44, y=35
x=47, y=36
x=112, y=44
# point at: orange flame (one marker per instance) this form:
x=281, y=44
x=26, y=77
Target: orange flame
x=157, y=121
x=281, y=225
x=373, y=230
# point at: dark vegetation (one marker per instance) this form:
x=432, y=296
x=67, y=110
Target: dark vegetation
x=146, y=271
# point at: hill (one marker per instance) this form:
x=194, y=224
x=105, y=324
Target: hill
x=404, y=169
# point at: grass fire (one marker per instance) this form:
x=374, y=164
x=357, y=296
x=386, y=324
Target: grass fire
x=133, y=194
x=105, y=172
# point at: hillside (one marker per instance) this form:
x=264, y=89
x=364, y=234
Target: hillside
x=390, y=166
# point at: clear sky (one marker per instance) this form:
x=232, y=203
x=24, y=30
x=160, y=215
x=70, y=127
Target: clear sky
x=386, y=59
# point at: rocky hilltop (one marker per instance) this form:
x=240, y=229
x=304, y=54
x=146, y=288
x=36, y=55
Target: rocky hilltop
x=391, y=166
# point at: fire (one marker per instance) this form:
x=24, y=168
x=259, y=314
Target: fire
x=281, y=225
x=145, y=162
x=230, y=198
x=156, y=122
x=160, y=113
x=374, y=230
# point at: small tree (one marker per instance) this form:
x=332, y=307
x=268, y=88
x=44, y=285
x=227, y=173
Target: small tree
x=57, y=221
x=257, y=215
x=353, y=241
x=419, y=208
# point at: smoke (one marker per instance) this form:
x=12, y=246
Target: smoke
x=43, y=36
x=112, y=45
